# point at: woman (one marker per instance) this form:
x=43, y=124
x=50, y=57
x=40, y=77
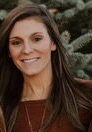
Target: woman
x=38, y=92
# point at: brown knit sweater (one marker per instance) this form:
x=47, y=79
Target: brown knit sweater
x=35, y=111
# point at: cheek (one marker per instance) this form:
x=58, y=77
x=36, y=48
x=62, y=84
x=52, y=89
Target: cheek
x=13, y=53
x=44, y=51
x=45, y=46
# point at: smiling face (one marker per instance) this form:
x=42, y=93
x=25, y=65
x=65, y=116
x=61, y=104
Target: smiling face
x=30, y=46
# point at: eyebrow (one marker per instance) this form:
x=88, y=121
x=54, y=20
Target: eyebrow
x=17, y=37
x=37, y=33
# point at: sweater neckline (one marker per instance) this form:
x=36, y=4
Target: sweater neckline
x=41, y=101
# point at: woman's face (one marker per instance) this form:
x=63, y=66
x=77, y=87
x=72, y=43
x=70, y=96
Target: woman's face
x=30, y=46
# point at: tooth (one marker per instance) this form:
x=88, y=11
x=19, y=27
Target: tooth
x=30, y=60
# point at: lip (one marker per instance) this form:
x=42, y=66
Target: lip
x=30, y=60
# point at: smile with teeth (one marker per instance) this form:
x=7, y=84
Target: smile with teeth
x=30, y=60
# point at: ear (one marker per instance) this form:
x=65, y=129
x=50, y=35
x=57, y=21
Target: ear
x=53, y=46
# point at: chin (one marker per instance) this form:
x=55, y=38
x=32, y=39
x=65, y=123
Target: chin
x=31, y=73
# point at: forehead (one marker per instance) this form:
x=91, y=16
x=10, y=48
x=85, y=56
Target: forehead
x=28, y=25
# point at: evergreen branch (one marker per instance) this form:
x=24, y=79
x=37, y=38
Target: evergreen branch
x=69, y=13
x=81, y=74
x=3, y=14
x=80, y=41
x=88, y=5
x=79, y=60
x=67, y=3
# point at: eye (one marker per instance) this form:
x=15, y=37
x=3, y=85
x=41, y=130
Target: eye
x=15, y=42
x=37, y=38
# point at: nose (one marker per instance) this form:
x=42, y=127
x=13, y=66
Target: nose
x=27, y=48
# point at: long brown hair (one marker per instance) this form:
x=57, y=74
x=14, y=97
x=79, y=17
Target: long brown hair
x=67, y=94
x=2, y=122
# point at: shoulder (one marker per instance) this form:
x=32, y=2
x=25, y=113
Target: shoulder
x=86, y=114
x=86, y=83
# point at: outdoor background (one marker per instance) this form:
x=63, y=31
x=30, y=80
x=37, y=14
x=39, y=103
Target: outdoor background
x=74, y=20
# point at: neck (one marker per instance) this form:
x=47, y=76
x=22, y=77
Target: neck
x=37, y=87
